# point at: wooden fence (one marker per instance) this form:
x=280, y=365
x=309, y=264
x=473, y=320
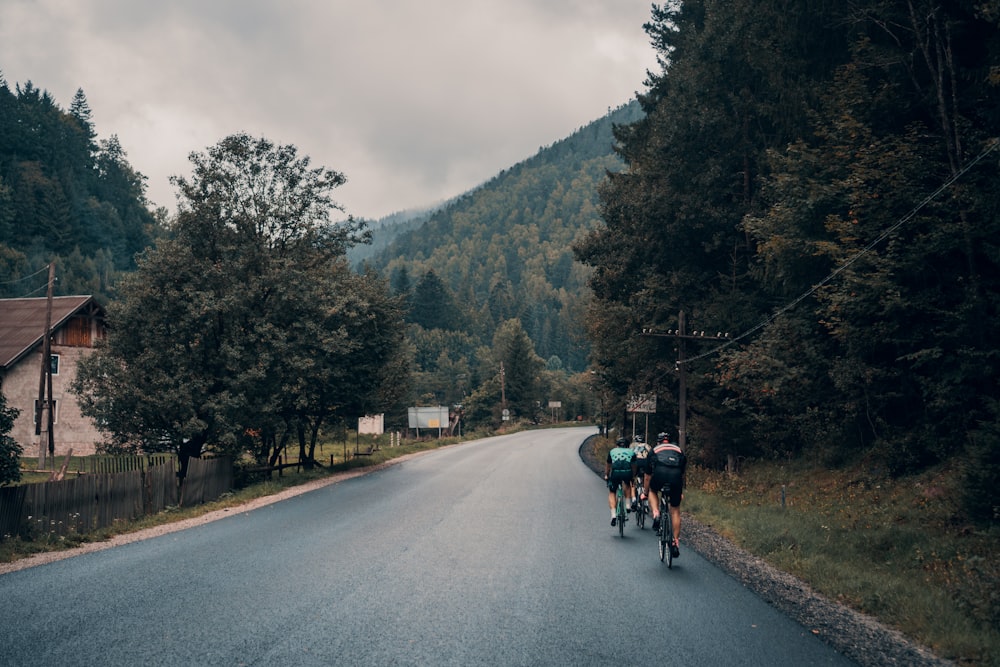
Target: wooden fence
x=97, y=500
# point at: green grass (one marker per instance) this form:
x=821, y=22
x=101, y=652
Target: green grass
x=897, y=550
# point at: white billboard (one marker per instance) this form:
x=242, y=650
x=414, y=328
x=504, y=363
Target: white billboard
x=430, y=417
x=371, y=424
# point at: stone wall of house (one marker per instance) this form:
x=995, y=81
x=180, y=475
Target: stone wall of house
x=72, y=429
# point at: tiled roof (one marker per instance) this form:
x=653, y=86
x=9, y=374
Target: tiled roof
x=22, y=323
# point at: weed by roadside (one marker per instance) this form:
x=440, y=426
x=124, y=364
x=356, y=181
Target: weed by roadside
x=896, y=549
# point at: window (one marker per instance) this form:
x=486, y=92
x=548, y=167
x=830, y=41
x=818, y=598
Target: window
x=55, y=411
x=54, y=364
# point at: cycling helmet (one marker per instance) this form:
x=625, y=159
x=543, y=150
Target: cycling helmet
x=662, y=437
x=638, y=438
x=622, y=442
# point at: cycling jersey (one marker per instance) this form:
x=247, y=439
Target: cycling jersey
x=642, y=451
x=666, y=467
x=667, y=455
x=621, y=458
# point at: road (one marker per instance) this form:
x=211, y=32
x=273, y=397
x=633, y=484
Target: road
x=493, y=552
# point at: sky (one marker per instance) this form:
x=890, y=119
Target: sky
x=414, y=102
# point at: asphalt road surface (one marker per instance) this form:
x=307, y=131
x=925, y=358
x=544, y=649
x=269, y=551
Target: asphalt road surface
x=493, y=552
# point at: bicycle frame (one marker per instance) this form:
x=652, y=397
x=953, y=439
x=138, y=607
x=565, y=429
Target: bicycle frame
x=620, y=510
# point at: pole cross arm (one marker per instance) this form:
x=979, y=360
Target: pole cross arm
x=694, y=335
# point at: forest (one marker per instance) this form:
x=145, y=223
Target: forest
x=504, y=249
x=65, y=197
x=818, y=180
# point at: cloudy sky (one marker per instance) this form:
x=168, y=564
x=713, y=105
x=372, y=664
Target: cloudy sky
x=414, y=102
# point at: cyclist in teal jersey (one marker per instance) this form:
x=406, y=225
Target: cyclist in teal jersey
x=620, y=468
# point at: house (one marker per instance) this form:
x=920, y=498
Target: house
x=77, y=322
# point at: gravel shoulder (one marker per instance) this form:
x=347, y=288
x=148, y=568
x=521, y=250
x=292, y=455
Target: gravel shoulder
x=861, y=638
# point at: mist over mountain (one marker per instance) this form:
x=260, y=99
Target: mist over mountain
x=503, y=250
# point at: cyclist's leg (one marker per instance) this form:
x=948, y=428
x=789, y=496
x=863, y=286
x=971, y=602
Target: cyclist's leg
x=653, y=494
x=612, y=501
x=676, y=494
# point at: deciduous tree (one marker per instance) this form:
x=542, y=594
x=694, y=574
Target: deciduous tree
x=245, y=330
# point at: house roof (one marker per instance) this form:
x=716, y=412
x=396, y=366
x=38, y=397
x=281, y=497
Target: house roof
x=22, y=323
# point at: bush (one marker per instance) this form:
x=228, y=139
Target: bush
x=981, y=494
x=10, y=451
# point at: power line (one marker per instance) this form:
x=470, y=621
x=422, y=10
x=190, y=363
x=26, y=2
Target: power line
x=843, y=267
x=34, y=291
x=23, y=278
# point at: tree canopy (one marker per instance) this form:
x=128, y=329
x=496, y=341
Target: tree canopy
x=246, y=328
x=810, y=179
x=65, y=196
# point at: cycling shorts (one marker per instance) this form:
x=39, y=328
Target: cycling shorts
x=672, y=479
x=617, y=477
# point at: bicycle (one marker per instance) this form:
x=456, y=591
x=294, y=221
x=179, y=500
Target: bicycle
x=665, y=532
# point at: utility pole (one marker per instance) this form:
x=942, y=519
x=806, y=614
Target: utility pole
x=681, y=334
x=45, y=406
x=505, y=415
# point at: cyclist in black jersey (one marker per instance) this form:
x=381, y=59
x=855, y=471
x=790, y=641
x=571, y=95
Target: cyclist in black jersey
x=666, y=467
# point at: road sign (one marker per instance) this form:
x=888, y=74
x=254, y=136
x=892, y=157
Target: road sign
x=642, y=403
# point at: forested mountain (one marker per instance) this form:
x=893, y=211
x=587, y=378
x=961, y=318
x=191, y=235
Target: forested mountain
x=384, y=231
x=64, y=196
x=503, y=251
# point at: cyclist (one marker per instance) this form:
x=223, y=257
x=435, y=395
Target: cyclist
x=642, y=450
x=666, y=466
x=619, y=469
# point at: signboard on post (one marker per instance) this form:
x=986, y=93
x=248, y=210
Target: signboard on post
x=430, y=417
x=371, y=424
x=642, y=403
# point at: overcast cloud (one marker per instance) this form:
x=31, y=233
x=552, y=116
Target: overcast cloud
x=414, y=102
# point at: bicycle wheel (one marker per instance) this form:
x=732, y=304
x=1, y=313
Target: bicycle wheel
x=661, y=532
x=669, y=532
x=621, y=511
x=640, y=508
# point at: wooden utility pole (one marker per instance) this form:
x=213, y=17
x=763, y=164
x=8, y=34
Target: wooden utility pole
x=45, y=407
x=503, y=394
x=681, y=334
x=682, y=380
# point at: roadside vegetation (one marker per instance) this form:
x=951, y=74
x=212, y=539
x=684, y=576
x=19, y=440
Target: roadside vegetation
x=897, y=549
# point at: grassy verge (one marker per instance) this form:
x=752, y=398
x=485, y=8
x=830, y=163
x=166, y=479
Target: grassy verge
x=895, y=549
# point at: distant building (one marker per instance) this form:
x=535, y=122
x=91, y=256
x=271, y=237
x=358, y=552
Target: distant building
x=77, y=323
